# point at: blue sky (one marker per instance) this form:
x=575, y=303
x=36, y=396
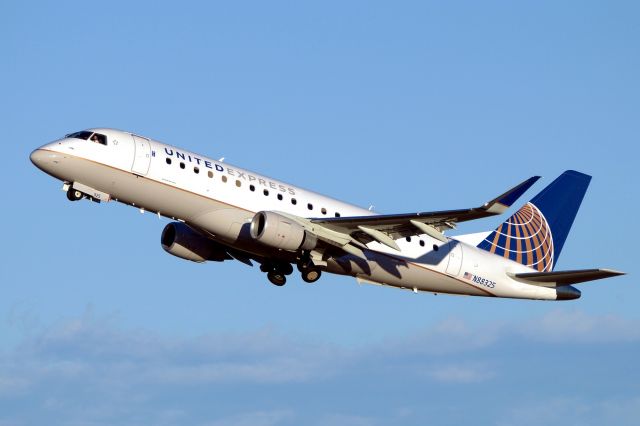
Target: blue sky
x=407, y=106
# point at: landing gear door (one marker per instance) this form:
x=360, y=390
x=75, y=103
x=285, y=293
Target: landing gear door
x=141, y=156
x=455, y=258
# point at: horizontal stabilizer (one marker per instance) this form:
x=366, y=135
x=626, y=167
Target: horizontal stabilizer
x=561, y=278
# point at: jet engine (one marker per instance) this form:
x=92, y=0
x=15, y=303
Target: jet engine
x=278, y=231
x=183, y=241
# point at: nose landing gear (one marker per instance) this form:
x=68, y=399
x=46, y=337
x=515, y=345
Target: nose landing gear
x=74, y=194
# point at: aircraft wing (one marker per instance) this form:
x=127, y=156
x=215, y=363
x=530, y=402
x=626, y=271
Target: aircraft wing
x=387, y=228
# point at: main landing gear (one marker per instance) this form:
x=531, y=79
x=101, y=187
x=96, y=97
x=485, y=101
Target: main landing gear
x=277, y=273
x=310, y=273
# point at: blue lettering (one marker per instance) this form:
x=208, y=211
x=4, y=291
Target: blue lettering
x=207, y=164
x=219, y=168
x=180, y=155
x=168, y=151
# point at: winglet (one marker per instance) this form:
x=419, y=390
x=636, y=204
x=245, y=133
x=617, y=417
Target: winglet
x=501, y=203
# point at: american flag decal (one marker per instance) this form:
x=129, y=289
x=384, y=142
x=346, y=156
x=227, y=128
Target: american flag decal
x=467, y=276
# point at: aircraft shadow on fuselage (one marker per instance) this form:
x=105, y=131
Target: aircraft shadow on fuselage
x=394, y=264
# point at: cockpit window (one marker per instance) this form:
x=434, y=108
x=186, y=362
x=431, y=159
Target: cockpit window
x=98, y=138
x=86, y=135
x=80, y=135
x=93, y=137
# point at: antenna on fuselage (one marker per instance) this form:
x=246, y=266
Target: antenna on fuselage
x=221, y=159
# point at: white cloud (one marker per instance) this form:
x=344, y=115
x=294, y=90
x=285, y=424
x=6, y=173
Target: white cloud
x=572, y=410
x=579, y=327
x=346, y=420
x=461, y=373
x=13, y=386
x=257, y=418
x=456, y=336
x=87, y=370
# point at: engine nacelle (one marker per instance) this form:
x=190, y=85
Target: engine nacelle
x=278, y=231
x=183, y=241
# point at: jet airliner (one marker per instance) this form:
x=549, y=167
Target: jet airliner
x=221, y=212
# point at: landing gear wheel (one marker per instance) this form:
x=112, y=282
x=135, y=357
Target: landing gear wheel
x=311, y=275
x=74, y=195
x=286, y=268
x=277, y=278
x=304, y=265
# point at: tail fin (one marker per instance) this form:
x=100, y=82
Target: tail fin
x=535, y=234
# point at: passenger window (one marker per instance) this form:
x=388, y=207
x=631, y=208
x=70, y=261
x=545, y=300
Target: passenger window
x=210, y=173
x=408, y=239
x=168, y=160
x=294, y=201
x=196, y=170
x=265, y=192
x=224, y=178
x=182, y=165
x=421, y=243
x=323, y=210
x=238, y=183
x=310, y=206
x=280, y=197
x=252, y=188
x=337, y=214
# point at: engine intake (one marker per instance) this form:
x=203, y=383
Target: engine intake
x=278, y=231
x=183, y=241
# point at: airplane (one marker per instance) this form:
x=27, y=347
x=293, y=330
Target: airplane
x=222, y=212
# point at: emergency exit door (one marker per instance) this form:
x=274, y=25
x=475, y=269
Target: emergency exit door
x=455, y=258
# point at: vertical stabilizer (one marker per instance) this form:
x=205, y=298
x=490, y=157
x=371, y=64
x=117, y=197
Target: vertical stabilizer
x=535, y=234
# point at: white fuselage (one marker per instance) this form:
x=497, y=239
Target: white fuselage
x=222, y=199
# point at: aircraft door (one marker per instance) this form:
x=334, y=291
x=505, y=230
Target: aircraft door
x=141, y=156
x=455, y=258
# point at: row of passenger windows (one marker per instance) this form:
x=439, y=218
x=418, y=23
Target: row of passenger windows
x=422, y=243
x=252, y=188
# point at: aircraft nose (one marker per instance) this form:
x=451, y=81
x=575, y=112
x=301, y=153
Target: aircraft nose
x=38, y=158
x=46, y=160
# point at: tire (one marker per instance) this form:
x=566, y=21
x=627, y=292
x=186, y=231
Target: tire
x=304, y=265
x=311, y=275
x=277, y=278
x=286, y=268
x=74, y=195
